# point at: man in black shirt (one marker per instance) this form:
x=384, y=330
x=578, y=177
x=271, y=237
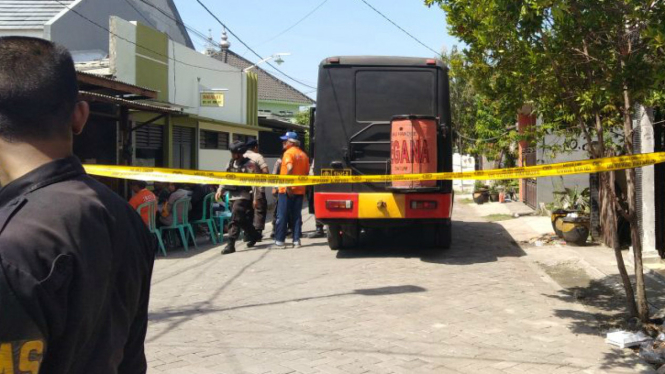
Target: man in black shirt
x=75, y=258
x=242, y=199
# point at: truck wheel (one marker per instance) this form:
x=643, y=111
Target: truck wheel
x=334, y=237
x=443, y=236
x=350, y=236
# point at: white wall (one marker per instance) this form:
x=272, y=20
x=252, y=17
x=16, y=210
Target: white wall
x=187, y=81
x=547, y=185
x=190, y=72
x=123, y=50
x=462, y=163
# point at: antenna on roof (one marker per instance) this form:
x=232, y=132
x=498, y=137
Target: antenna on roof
x=210, y=45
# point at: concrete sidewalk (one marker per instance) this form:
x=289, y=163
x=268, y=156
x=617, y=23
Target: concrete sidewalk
x=593, y=264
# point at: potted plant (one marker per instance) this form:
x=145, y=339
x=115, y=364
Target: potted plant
x=570, y=219
x=510, y=188
x=494, y=192
x=480, y=193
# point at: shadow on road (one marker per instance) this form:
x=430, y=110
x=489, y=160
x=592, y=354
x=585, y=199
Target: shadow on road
x=605, y=310
x=202, y=308
x=472, y=243
x=179, y=253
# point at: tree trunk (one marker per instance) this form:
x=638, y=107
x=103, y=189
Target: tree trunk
x=610, y=235
x=640, y=287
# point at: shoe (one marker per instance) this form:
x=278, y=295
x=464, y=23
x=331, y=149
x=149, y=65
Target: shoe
x=280, y=245
x=317, y=234
x=259, y=237
x=230, y=248
x=296, y=244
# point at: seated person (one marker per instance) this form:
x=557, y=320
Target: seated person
x=141, y=195
x=162, y=192
x=198, y=195
x=177, y=193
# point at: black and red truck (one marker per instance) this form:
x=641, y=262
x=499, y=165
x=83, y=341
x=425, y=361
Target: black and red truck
x=383, y=116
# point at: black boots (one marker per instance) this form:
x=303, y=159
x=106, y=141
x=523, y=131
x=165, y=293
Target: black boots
x=252, y=242
x=319, y=233
x=231, y=247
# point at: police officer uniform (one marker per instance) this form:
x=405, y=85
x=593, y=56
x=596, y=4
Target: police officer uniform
x=75, y=268
x=261, y=210
x=241, y=198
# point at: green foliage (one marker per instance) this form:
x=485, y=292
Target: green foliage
x=498, y=217
x=302, y=118
x=572, y=60
x=572, y=199
x=481, y=124
x=480, y=186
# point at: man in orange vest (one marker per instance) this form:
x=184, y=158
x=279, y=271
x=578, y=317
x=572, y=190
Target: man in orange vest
x=290, y=199
x=141, y=195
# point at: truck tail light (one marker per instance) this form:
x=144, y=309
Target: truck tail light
x=339, y=204
x=423, y=204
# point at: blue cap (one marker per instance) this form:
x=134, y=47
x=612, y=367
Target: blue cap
x=290, y=136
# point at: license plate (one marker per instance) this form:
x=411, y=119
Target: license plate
x=335, y=172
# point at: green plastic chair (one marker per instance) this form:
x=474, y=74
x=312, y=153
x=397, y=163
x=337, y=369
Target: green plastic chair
x=181, y=222
x=152, y=222
x=223, y=218
x=207, y=218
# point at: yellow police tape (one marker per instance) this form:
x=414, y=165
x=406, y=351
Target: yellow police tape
x=268, y=180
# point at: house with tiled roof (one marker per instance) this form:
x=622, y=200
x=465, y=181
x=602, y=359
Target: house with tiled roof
x=83, y=25
x=278, y=100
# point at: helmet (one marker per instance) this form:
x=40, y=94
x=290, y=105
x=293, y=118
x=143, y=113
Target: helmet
x=251, y=143
x=290, y=135
x=238, y=147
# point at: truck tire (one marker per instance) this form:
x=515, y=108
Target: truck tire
x=350, y=236
x=334, y=237
x=443, y=236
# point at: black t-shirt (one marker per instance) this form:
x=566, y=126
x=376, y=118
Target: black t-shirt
x=75, y=268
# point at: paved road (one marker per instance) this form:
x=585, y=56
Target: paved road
x=481, y=307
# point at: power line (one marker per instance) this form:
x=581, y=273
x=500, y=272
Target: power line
x=140, y=13
x=142, y=46
x=248, y=47
x=202, y=36
x=193, y=30
x=398, y=26
x=294, y=25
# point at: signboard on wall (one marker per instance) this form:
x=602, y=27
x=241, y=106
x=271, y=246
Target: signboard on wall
x=214, y=99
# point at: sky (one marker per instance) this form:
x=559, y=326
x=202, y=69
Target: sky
x=336, y=28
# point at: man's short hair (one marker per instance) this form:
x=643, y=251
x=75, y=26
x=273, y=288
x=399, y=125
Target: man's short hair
x=38, y=89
